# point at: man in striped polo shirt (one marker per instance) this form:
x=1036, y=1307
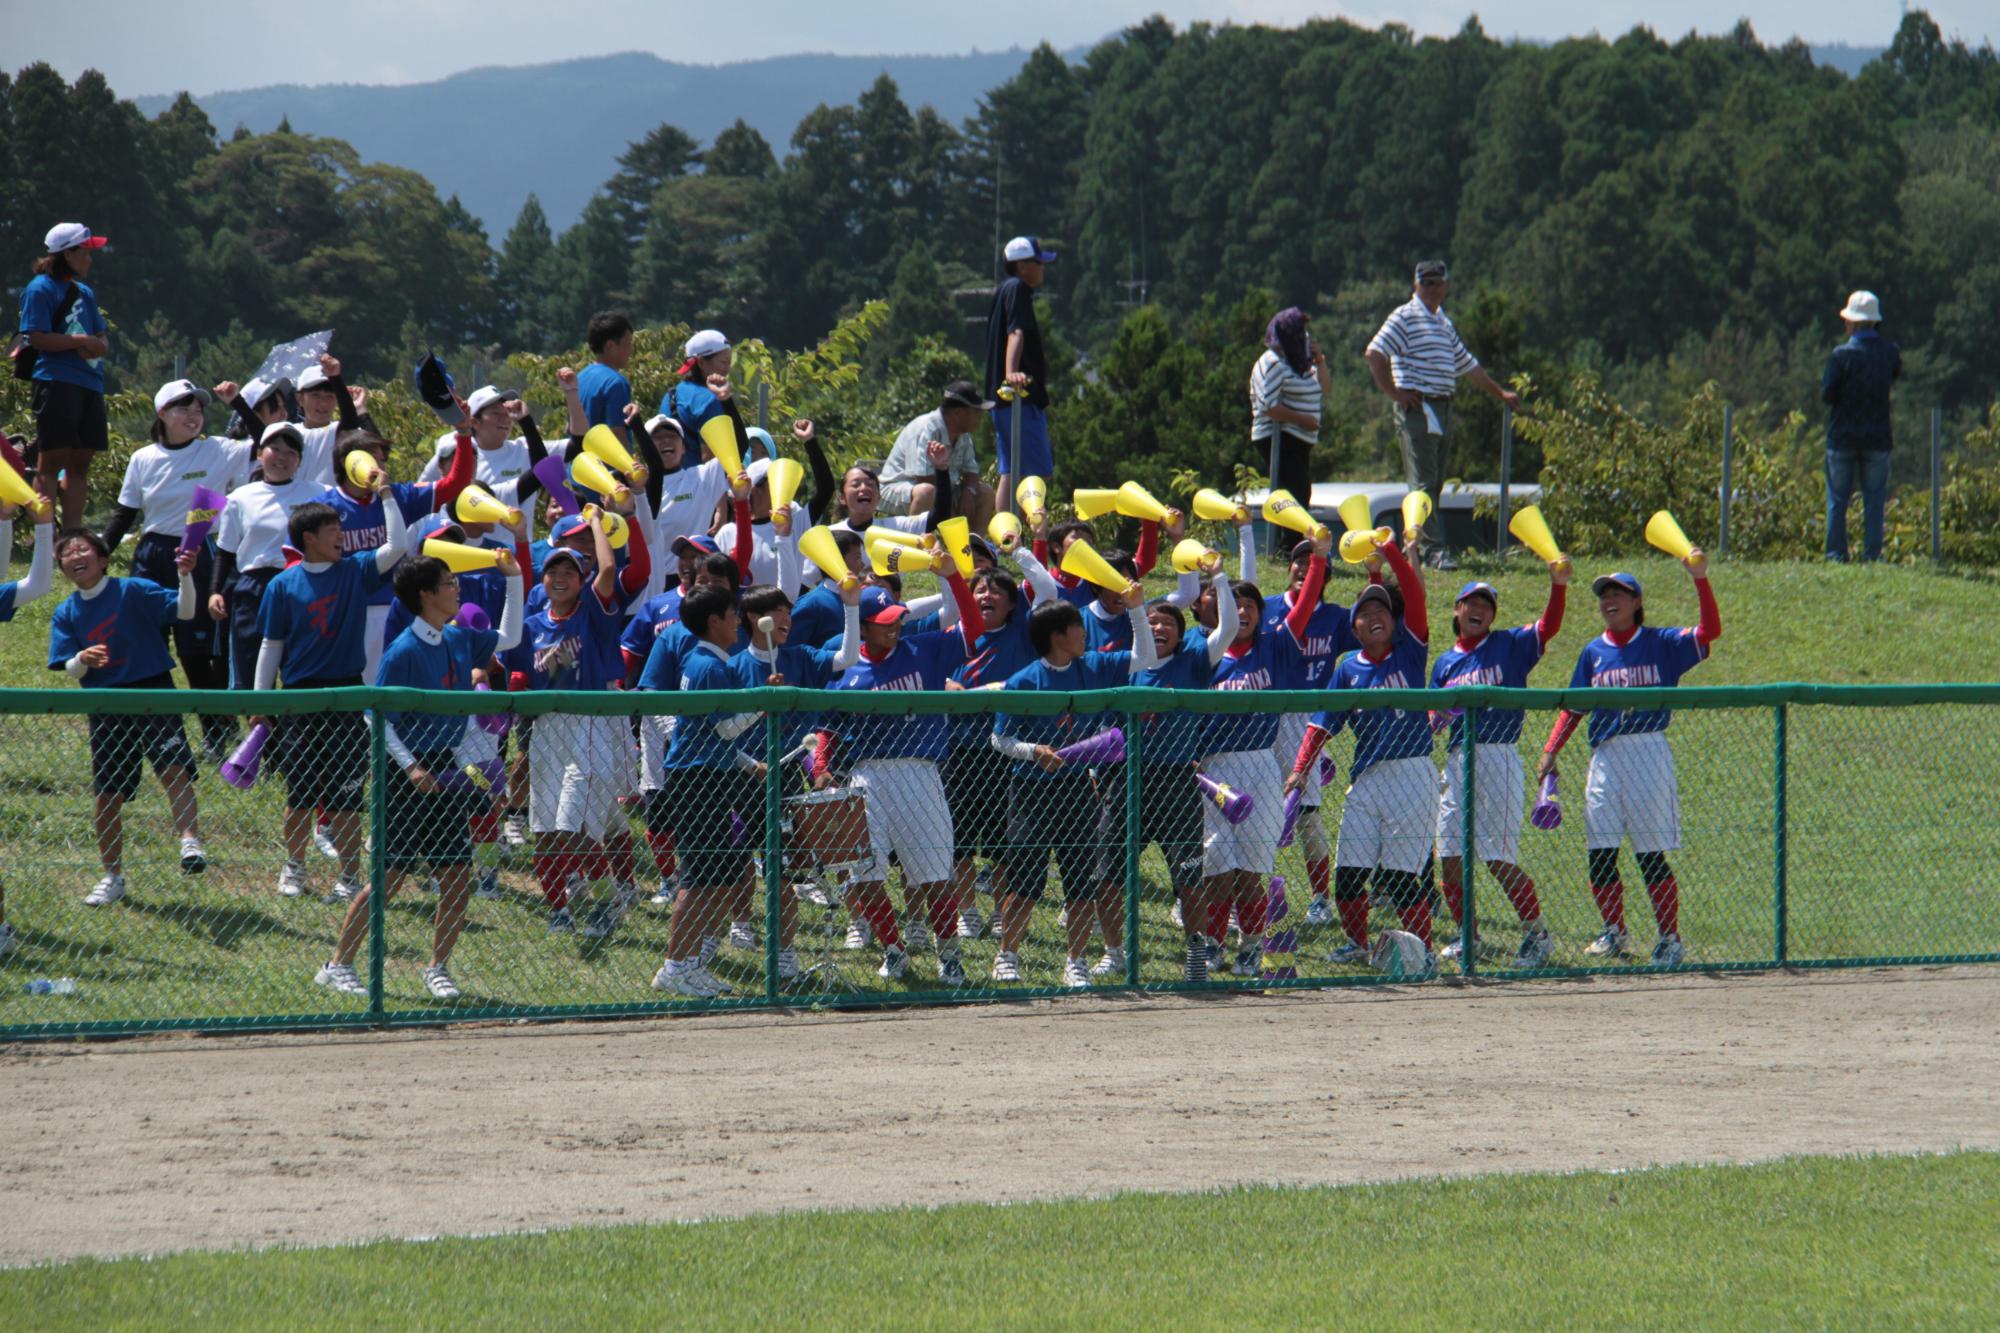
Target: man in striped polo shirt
x=1416, y=358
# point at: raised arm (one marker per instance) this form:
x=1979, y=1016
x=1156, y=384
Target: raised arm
x=1228, y=620
x=510, y=614
x=1551, y=620
x=638, y=557
x=971, y=621
x=41, y=565
x=1710, y=627
x=396, y=540
x=1040, y=582
x=1147, y=554
x=824, y=484
x=1246, y=552
x=1410, y=580
x=1307, y=602
x=1144, y=655
x=458, y=476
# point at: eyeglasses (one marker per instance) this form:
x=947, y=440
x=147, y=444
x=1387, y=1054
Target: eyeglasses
x=1432, y=282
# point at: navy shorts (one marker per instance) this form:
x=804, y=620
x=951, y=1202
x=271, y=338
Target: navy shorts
x=122, y=744
x=1037, y=459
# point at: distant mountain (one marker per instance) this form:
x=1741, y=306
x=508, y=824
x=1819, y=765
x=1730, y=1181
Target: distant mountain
x=493, y=135
x=1847, y=59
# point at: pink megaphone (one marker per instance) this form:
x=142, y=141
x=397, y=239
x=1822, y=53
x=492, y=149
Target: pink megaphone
x=1106, y=747
x=1236, y=805
x=1548, y=811
x=556, y=482
x=240, y=769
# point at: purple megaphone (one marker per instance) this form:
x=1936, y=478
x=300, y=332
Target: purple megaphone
x=483, y=778
x=1548, y=811
x=1293, y=804
x=1106, y=747
x=1328, y=770
x=204, y=507
x=240, y=769
x=472, y=616
x=495, y=723
x=1276, y=905
x=556, y=482
x=1236, y=805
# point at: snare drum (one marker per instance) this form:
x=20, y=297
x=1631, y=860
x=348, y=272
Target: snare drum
x=826, y=828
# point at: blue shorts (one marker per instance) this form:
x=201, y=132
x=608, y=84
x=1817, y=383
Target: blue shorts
x=1037, y=459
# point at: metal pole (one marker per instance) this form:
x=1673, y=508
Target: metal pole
x=1728, y=468
x=774, y=848
x=1781, y=869
x=1271, y=529
x=1468, y=924
x=764, y=405
x=1014, y=451
x=1937, y=480
x=1134, y=752
x=1506, y=476
x=378, y=819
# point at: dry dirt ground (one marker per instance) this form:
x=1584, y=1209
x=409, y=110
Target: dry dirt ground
x=156, y=1145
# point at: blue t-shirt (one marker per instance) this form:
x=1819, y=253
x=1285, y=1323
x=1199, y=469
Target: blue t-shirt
x=605, y=394
x=696, y=743
x=1001, y=653
x=1329, y=634
x=801, y=666
x=818, y=617
x=654, y=615
x=694, y=405
x=322, y=617
x=1092, y=671
x=1272, y=661
x=1652, y=657
x=595, y=626
x=1177, y=737
x=1503, y=657
x=483, y=588
x=919, y=662
x=1102, y=635
x=1382, y=734
x=363, y=528
x=128, y=617
x=7, y=591
x=446, y=665
x=39, y=300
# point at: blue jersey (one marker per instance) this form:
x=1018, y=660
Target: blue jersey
x=1329, y=635
x=801, y=667
x=1650, y=657
x=1092, y=671
x=1272, y=661
x=1106, y=634
x=694, y=405
x=818, y=617
x=7, y=592
x=1079, y=595
x=696, y=742
x=919, y=662
x=538, y=555
x=362, y=527
x=322, y=617
x=1177, y=737
x=129, y=617
x=1382, y=734
x=40, y=300
x=483, y=588
x=605, y=394
x=645, y=625
x=445, y=665
x=1001, y=653
x=594, y=625
x=1503, y=657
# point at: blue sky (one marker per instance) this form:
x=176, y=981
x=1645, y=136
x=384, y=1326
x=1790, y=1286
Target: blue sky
x=144, y=46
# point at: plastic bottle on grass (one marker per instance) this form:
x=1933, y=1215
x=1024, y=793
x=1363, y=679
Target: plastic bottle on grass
x=58, y=986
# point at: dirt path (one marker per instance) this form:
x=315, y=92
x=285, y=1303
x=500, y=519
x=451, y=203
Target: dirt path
x=158, y=1145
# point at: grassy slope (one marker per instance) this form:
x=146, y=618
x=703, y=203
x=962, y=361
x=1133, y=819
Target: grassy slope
x=1807, y=1243
x=1873, y=871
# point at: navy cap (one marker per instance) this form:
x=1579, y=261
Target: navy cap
x=568, y=526
x=1477, y=588
x=1374, y=592
x=1621, y=580
x=879, y=607
x=583, y=563
x=701, y=545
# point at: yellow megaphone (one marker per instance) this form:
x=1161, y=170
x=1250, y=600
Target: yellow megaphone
x=14, y=488
x=616, y=531
x=956, y=534
x=784, y=479
x=881, y=534
x=1216, y=507
x=1004, y=531
x=1280, y=508
x=1663, y=532
x=476, y=504
x=817, y=545
x=1135, y=501
x=1082, y=561
x=719, y=434
x=604, y=446
x=899, y=560
x=362, y=470
x=1094, y=504
x=1416, y=513
x=1191, y=557
x=1034, y=495
x=1532, y=530
x=1355, y=515
x=1360, y=543
x=590, y=472
x=460, y=558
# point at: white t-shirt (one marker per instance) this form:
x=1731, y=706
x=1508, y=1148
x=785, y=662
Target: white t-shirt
x=495, y=469
x=687, y=501
x=912, y=523
x=764, y=541
x=256, y=523
x=159, y=482
x=316, y=459
x=909, y=461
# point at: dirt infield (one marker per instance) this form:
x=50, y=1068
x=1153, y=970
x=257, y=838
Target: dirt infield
x=175, y=1143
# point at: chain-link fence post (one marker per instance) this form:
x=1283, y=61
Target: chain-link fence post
x=1780, y=907
x=378, y=834
x=1134, y=757
x=1468, y=925
x=774, y=848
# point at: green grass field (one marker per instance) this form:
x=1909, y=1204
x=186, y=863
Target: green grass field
x=1890, y=817
x=1812, y=1243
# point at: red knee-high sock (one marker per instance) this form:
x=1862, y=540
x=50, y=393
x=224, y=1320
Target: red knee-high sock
x=1354, y=918
x=1251, y=905
x=594, y=865
x=1417, y=918
x=1320, y=872
x=1454, y=895
x=623, y=869
x=1610, y=902
x=1521, y=893
x=874, y=904
x=1666, y=897
x=552, y=872
x=944, y=915
x=663, y=851
x=485, y=828
x=1218, y=919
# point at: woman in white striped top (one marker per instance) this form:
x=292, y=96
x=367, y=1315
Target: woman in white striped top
x=1287, y=386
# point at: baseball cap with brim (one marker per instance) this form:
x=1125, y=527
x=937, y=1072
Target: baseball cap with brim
x=485, y=396
x=757, y=471
x=577, y=558
x=978, y=545
x=1476, y=588
x=1433, y=269
x=654, y=423
x=878, y=607
x=1619, y=580
x=312, y=377
x=964, y=393
x=256, y=391
x=699, y=545
x=1028, y=247
x=706, y=342
x=282, y=430
x=1374, y=592
x=175, y=390
x=72, y=236
x=568, y=526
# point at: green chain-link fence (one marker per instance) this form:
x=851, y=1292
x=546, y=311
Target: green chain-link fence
x=1816, y=826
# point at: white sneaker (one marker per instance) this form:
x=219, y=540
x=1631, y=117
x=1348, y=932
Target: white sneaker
x=514, y=832
x=664, y=896
x=341, y=977
x=895, y=962
x=1249, y=960
x=1669, y=951
x=1006, y=966
x=811, y=892
x=1319, y=912
x=742, y=937
x=1537, y=946
x=1349, y=953
x=788, y=964
x=917, y=938
x=489, y=883
x=439, y=983
x=679, y=979
x=1613, y=943
x=1076, y=974
x=1112, y=964
x=292, y=880
x=708, y=981
x=606, y=918
x=194, y=859
x=711, y=945
x=323, y=842
x=951, y=968
x=6, y=939
x=109, y=890
x=344, y=891
x=971, y=925
x=859, y=933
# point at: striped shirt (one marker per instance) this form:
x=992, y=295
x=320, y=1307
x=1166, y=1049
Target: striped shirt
x=1424, y=350
x=1273, y=383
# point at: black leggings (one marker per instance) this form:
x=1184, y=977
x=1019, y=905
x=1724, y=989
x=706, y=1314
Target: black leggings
x=1653, y=866
x=1294, y=464
x=198, y=643
x=1400, y=888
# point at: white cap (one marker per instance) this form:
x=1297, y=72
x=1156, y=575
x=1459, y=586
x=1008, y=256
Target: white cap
x=1862, y=307
x=256, y=391
x=653, y=423
x=175, y=390
x=282, y=428
x=706, y=342
x=312, y=377
x=70, y=236
x=484, y=397
x=1027, y=247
